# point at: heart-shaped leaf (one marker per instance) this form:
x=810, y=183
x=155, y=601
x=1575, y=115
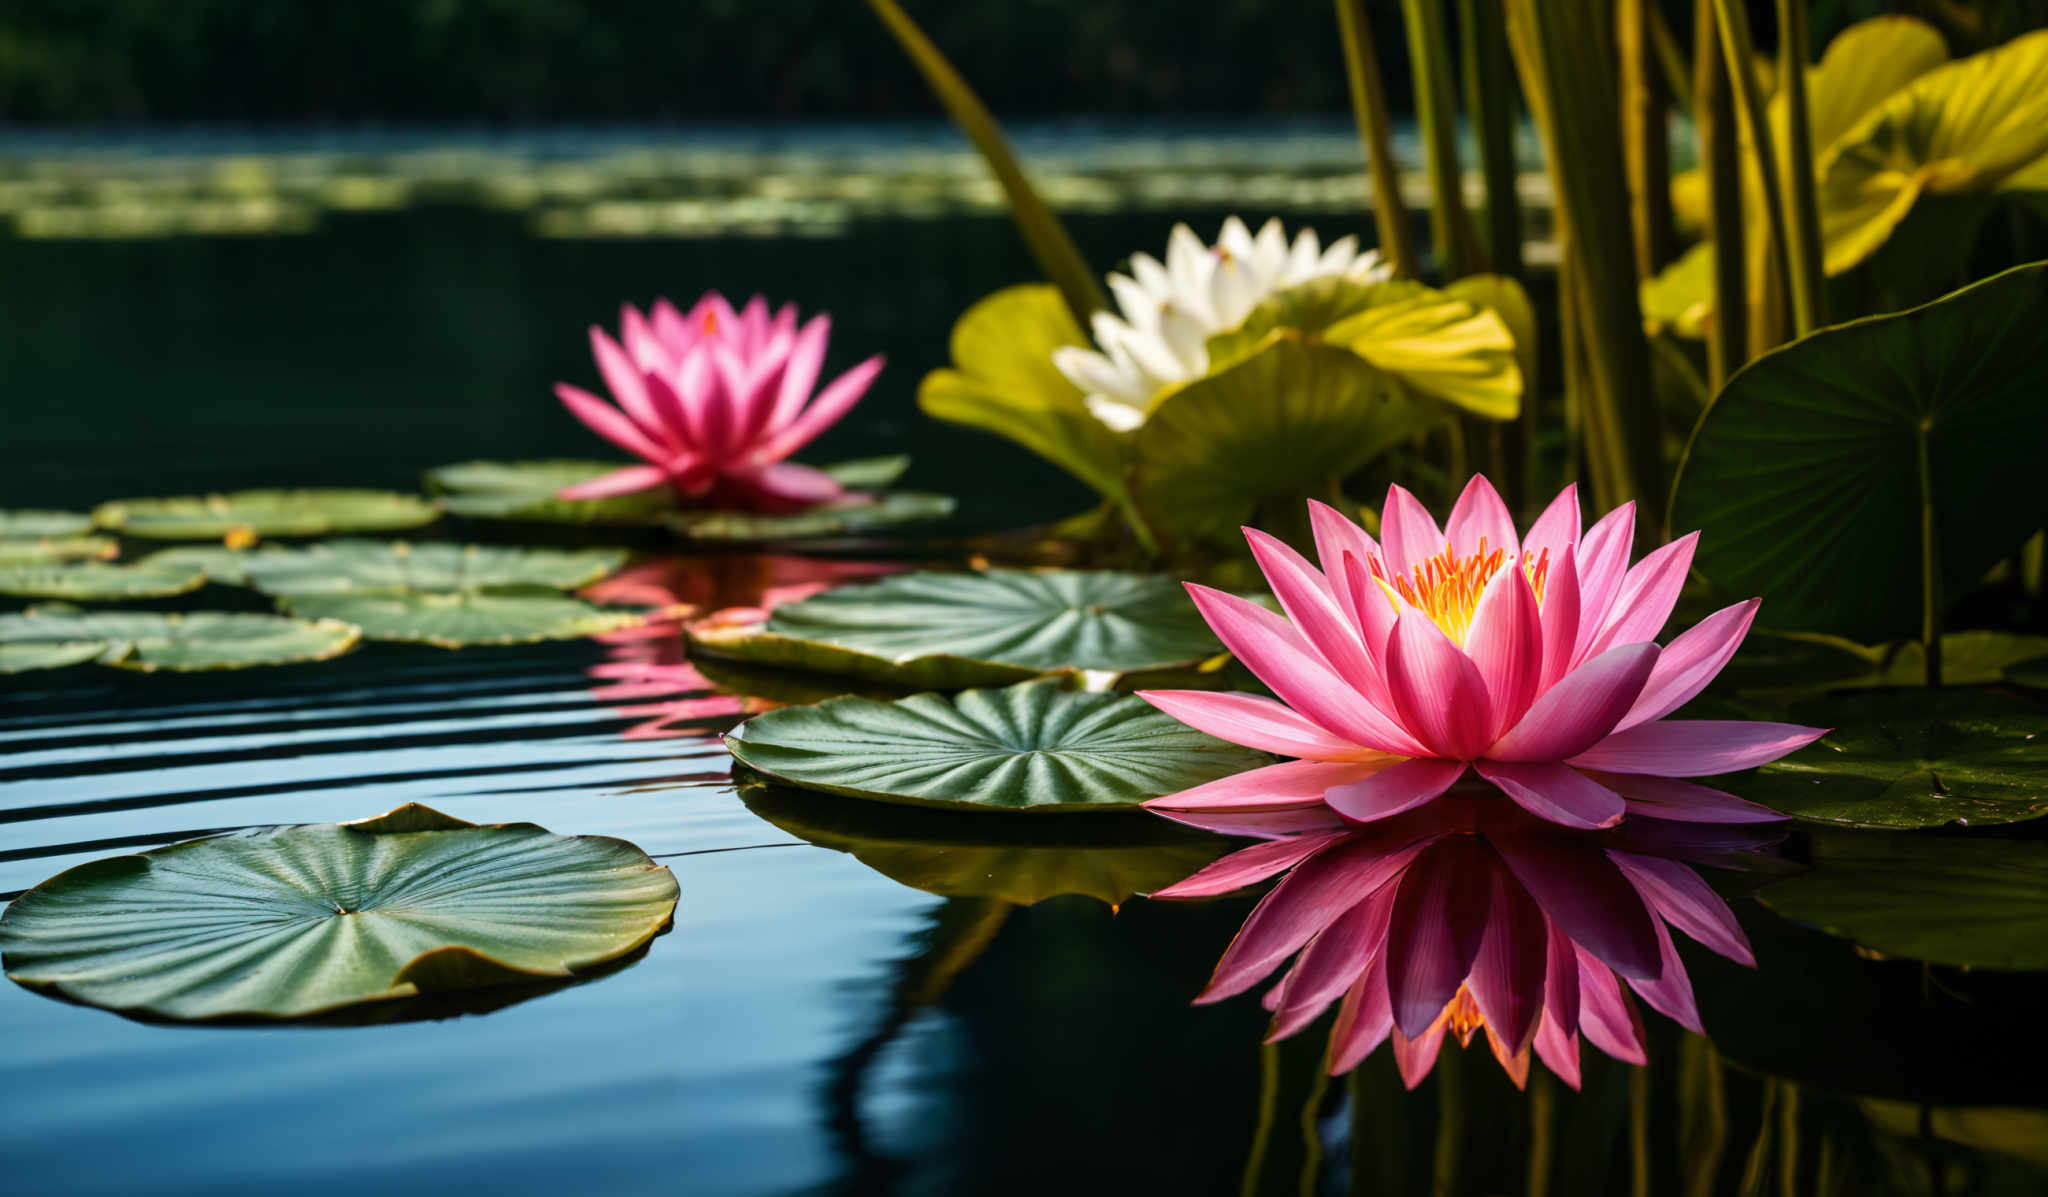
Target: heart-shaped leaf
x=91, y=581
x=302, y=920
x=1033, y=747
x=266, y=513
x=1805, y=481
x=147, y=641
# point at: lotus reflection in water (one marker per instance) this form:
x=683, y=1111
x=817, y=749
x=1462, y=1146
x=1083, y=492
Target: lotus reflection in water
x=714, y=402
x=1468, y=915
x=1403, y=664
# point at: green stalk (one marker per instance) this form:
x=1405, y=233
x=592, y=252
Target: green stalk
x=1450, y=1126
x=1714, y=118
x=1269, y=1109
x=1369, y=108
x=1802, y=202
x=1542, y=1126
x=1788, y=1135
x=1436, y=112
x=1739, y=52
x=1047, y=238
x=1703, y=1115
x=1930, y=562
x=1646, y=140
x=1639, y=1131
x=1490, y=106
x=1670, y=59
x=1312, y=1131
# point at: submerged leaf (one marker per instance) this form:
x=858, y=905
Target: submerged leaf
x=266, y=513
x=46, y=637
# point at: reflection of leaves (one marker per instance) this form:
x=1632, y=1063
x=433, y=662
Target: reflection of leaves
x=1108, y=858
x=1035, y=747
x=1964, y=901
x=2021, y=1134
x=1913, y=758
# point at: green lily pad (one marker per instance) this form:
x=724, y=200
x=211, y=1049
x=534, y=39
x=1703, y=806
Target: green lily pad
x=848, y=516
x=50, y=549
x=376, y=566
x=147, y=641
x=1034, y=747
x=1108, y=858
x=218, y=562
x=1804, y=479
x=90, y=581
x=266, y=513
x=1913, y=758
x=952, y=630
x=1968, y=901
x=40, y=525
x=1791, y=665
x=298, y=921
x=461, y=618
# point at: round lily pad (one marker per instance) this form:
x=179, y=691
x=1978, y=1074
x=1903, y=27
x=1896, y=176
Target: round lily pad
x=298, y=921
x=266, y=513
x=49, y=549
x=458, y=619
x=38, y=525
x=377, y=566
x=1033, y=747
x=967, y=856
x=89, y=581
x=1912, y=758
x=147, y=641
x=952, y=630
x=858, y=513
x=218, y=562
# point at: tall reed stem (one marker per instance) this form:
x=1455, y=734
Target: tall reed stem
x=1714, y=120
x=1731, y=18
x=1646, y=138
x=1436, y=111
x=1369, y=109
x=1490, y=107
x=1802, y=201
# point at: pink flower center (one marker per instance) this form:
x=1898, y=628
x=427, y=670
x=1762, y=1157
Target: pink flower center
x=1447, y=587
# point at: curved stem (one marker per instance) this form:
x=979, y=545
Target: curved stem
x=1930, y=561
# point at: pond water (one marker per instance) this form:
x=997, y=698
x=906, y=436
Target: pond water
x=810, y=1023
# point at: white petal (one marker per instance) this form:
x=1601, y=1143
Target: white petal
x=1121, y=417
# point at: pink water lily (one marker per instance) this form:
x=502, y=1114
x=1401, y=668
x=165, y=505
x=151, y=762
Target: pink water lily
x=1471, y=915
x=714, y=402
x=1530, y=660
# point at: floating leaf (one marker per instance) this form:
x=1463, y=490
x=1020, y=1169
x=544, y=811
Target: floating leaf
x=526, y=490
x=458, y=619
x=365, y=566
x=147, y=641
x=91, y=581
x=41, y=525
x=1033, y=747
x=218, y=562
x=1793, y=665
x=266, y=513
x=1803, y=477
x=959, y=855
x=952, y=630
x=302, y=920
x=57, y=548
x=1974, y=902
x=854, y=514
x=1913, y=758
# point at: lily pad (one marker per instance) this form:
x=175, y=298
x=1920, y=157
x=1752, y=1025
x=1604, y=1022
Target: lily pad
x=91, y=581
x=951, y=630
x=1966, y=901
x=147, y=641
x=218, y=562
x=376, y=566
x=298, y=921
x=851, y=515
x=50, y=549
x=1804, y=476
x=1034, y=747
x=1790, y=666
x=1912, y=758
x=39, y=525
x=1108, y=858
x=266, y=513
x=458, y=619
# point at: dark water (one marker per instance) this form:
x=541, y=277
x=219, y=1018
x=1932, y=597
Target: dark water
x=809, y=1024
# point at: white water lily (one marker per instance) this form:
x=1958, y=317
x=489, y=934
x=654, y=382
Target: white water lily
x=1170, y=311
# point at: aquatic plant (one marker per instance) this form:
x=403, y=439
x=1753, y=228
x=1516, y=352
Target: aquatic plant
x=1530, y=660
x=715, y=402
x=1468, y=916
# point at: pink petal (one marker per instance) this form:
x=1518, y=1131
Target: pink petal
x=1587, y=896
x=1437, y=689
x=1415, y=1057
x=1506, y=643
x=1607, y=1018
x=1555, y=793
x=1603, y=562
x=1557, y=529
x=1372, y=611
x=787, y=485
x=1480, y=514
x=753, y=324
x=674, y=332
x=1337, y=535
x=1439, y=918
x=1691, y=905
x=1249, y=866
x=1282, y=658
x=1696, y=747
x=649, y=354
x=1671, y=991
x=1648, y=593
x=627, y=481
x=1408, y=536
x=1691, y=661
x=1364, y=1019
x=1578, y=711
x=801, y=372
x=668, y=404
x=1305, y=595
x=1275, y=822
x=1395, y=789
x=1561, y=982
x=628, y=388
x=1294, y=783
x=1507, y=973
x=833, y=402
x=1560, y=618
x=1255, y=722
x=1558, y=1049
x=610, y=423
x=1332, y=963
x=1669, y=798
x=757, y=391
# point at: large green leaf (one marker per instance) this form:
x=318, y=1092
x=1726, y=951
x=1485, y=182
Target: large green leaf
x=1282, y=423
x=1036, y=747
x=460, y=618
x=302, y=920
x=950, y=630
x=1787, y=666
x=89, y=581
x=266, y=513
x=1804, y=476
x=963, y=855
x=38, y=525
x=1864, y=65
x=1960, y=128
x=361, y=566
x=1913, y=758
x=1970, y=901
x=46, y=637
x=1003, y=381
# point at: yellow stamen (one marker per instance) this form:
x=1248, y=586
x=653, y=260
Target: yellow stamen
x=710, y=323
x=1447, y=587
x=1463, y=1017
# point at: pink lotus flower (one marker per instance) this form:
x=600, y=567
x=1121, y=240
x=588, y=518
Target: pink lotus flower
x=1468, y=915
x=714, y=402
x=1528, y=660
